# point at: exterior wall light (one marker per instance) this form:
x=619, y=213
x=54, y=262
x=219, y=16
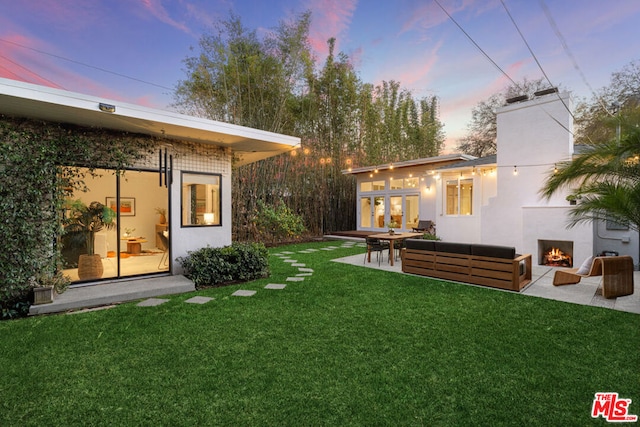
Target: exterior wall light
x=107, y=108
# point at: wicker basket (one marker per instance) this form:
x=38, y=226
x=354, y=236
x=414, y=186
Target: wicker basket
x=90, y=267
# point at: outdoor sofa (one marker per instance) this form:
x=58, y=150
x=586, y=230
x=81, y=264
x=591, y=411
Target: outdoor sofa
x=486, y=265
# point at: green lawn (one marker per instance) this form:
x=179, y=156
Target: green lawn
x=347, y=346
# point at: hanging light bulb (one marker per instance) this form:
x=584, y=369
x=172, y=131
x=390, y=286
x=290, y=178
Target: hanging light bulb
x=555, y=168
x=515, y=170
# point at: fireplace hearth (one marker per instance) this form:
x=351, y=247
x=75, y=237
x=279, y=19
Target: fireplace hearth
x=555, y=253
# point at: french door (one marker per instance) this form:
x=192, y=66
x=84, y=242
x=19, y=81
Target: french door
x=377, y=211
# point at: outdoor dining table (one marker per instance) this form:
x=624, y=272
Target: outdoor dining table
x=392, y=238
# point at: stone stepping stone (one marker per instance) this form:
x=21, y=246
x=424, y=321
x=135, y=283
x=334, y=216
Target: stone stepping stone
x=295, y=279
x=306, y=270
x=287, y=252
x=152, y=302
x=198, y=300
x=304, y=274
x=275, y=286
x=306, y=251
x=290, y=260
x=313, y=250
x=328, y=249
x=241, y=293
x=298, y=265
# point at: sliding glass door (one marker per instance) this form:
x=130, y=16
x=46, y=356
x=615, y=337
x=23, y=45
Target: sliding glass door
x=129, y=237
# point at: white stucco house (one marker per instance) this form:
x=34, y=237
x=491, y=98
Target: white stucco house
x=187, y=174
x=494, y=200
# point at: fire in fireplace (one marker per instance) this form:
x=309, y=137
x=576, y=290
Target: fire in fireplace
x=555, y=253
x=556, y=258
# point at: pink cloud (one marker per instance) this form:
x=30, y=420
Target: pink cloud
x=159, y=12
x=330, y=18
x=21, y=59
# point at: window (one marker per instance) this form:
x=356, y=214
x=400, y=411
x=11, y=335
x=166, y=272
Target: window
x=371, y=186
x=411, y=183
x=396, y=184
x=201, y=201
x=459, y=195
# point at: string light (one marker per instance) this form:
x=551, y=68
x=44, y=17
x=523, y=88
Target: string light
x=555, y=168
x=515, y=170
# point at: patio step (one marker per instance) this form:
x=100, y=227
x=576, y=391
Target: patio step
x=114, y=292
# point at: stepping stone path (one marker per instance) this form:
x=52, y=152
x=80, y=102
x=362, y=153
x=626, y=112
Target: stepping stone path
x=242, y=293
x=286, y=257
x=198, y=300
x=152, y=302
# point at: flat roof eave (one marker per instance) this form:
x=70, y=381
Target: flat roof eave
x=44, y=103
x=428, y=161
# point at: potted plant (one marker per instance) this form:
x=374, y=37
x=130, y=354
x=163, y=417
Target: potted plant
x=163, y=215
x=84, y=222
x=48, y=284
x=392, y=225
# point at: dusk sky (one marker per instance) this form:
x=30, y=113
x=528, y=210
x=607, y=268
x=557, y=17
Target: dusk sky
x=132, y=50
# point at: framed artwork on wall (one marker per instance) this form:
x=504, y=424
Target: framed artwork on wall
x=127, y=205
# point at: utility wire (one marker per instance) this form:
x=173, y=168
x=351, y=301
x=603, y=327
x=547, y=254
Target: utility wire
x=28, y=71
x=539, y=65
x=501, y=70
x=474, y=42
x=565, y=46
x=85, y=65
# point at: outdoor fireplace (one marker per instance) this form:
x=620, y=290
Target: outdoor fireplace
x=555, y=253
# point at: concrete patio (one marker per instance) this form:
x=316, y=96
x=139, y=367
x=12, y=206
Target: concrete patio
x=587, y=292
x=111, y=293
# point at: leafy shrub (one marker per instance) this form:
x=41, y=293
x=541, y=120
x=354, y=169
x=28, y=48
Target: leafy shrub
x=214, y=266
x=278, y=222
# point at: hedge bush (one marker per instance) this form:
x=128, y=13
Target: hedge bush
x=239, y=262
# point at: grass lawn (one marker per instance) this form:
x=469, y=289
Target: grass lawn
x=347, y=346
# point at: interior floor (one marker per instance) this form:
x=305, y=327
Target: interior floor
x=130, y=265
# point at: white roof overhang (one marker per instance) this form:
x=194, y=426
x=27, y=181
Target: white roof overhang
x=430, y=162
x=44, y=103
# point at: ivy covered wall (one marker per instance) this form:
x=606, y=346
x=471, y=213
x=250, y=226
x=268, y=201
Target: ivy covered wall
x=34, y=183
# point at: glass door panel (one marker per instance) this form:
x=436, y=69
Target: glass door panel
x=412, y=211
x=365, y=212
x=142, y=235
x=379, y=212
x=395, y=212
x=83, y=229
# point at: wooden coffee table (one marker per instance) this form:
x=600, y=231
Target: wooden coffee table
x=134, y=245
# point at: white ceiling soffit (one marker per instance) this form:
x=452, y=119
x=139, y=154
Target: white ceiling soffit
x=44, y=103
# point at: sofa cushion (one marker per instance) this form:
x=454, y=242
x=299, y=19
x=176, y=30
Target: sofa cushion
x=493, y=251
x=453, y=248
x=420, y=244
